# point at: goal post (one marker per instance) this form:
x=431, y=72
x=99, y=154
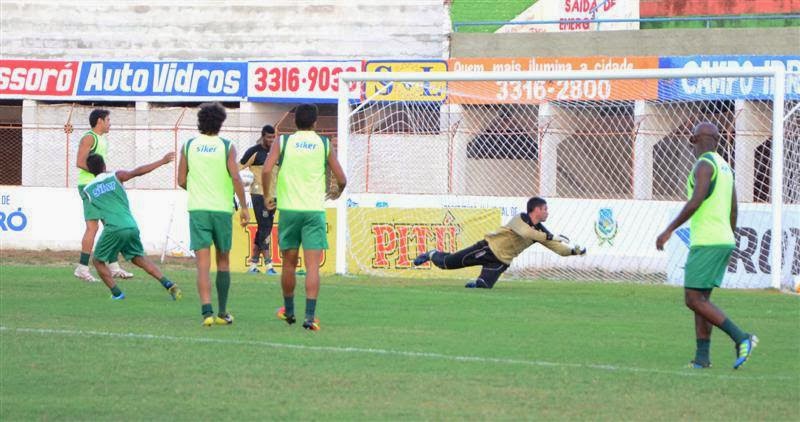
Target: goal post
x=436, y=159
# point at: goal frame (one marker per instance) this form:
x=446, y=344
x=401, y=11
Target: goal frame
x=778, y=75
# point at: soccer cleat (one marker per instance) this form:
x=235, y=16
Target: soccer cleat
x=699, y=365
x=423, y=258
x=744, y=350
x=301, y=272
x=281, y=314
x=175, y=292
x=82, y=272
x=253, y=269
x=208, y=321
x=477, y=284
x=311, y=325
x=224, y=319
x=271, y=271
x=120, y=297
x=118, y=272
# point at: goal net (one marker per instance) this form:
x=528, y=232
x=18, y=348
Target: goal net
x=436, y=161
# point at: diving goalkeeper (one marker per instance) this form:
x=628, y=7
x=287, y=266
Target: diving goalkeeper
x=497, y=249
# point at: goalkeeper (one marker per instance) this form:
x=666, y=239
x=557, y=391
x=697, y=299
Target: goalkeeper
x=496, y=251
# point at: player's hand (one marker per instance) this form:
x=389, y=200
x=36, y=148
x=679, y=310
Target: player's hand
x=662, y=239
x=168, y=158
x=244, y=216
x=270, y=204
x=579, y=250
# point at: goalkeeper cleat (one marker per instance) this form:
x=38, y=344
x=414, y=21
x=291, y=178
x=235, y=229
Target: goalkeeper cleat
x=118, y=272
x=120, y=297
x=82, y=272
x=311, y=325
x=281, y=314
x=175, y=292
x=208, y=321
x=423, y=258
x=253, y=270
x=271, y=271
x=744, y=350
x=477, y=284
x=699, y=364
x=579, y=250
x=224, y=319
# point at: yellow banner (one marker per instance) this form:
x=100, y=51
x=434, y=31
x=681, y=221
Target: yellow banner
x=386, y=241
x=242, y=246
x=406, y=91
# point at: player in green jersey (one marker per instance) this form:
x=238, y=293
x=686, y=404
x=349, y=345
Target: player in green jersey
x=109, y=202
x=209, y=173
x=303, y=157
x=93, y=142
x=713, y=212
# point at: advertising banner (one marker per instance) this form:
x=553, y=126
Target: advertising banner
x=535, y=92
x=163, y=81
x=37, y=78
x=388, y=240
x=297, y=81
x=241, y=248
x=727, y=88
x=406, y=91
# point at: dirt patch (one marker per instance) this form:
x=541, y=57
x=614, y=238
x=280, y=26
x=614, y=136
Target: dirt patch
x=50, y=258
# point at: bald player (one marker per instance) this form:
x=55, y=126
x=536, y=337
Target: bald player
x=712, y=210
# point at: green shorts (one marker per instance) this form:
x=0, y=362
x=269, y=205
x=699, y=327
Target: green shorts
x=89, y=211
x=706, y=266
x=207, y=227
x=306, y=228
x=114, y=242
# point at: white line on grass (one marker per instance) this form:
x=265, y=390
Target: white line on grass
x=388, y=352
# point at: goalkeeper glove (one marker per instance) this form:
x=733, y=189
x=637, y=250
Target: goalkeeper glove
x=578, y=250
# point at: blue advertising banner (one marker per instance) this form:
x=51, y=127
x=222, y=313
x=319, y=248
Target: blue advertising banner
x=727, y=88
x=163, y=81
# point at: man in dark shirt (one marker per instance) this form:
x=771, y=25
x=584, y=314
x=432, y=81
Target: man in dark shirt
x=254, y=159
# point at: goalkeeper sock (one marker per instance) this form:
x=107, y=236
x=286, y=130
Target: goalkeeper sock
x=223, y=285
x=702, y=354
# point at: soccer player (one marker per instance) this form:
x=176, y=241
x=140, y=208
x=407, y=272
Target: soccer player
x=713, y=212
x=497, y=249
x=254, y=159
x=303, y=157
x=109, y=202
x=93, y=142
x=209, y=173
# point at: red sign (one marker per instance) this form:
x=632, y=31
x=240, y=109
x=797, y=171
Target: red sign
x=299, y=80
x=42, y=78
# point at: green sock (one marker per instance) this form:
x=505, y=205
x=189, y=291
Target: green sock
x=288, y=305
x=206, y=310
x=311, y=307
x=165, y=282
x=116, y=291
x=733, y=331
x=223, y=285
x=702, y=354
x=84, y=258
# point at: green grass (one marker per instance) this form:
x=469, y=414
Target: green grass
x=486, y=10
x=388, y=349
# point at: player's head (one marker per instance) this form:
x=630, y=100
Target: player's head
x=95, y=164
x=305, y=116
x=705, y=137
x=100, y=120
x=267, y=135
x=210, y=118
x=537, y=209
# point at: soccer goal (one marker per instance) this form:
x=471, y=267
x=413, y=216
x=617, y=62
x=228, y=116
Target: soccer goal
x=436, y=160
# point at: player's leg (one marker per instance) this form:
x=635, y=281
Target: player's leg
x=223, y=233
x=466, y=257
x=267, y=246
x=702, y=329
x=133, y=251
x=87, y=242
x=490, y=273
x=288, y=282
x=107, y=246
x=258, y=241
x=117, y=271
x=200, y=240
x=315, y=242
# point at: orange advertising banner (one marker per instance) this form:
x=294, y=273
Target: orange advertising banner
x=534, y=92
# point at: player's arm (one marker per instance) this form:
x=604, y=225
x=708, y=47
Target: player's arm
x=266, y=170
x=84, y=148
x=562, y=247
x=233, y=170
x=338, y=172
x=125, y=175
x=702, y=182
x=183, y=169
x=734, y=211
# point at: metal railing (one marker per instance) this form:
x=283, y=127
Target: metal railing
x=599, y=22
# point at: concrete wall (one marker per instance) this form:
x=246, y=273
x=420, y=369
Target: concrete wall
x=663, y=42
x=213, y=30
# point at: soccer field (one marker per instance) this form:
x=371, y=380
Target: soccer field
x=388, y=349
